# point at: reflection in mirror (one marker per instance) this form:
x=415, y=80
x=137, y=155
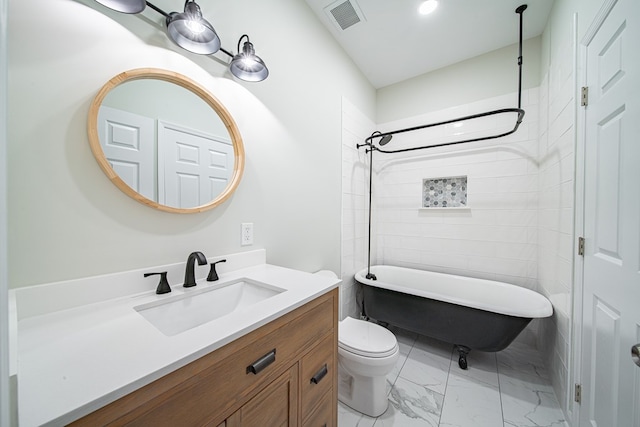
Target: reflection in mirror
x=165, y=141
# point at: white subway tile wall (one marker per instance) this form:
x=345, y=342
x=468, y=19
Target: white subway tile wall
x=496, y=238
x=356, y=127
x=556, y=182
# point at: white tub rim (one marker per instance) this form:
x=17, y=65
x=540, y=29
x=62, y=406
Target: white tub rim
x=488, y=295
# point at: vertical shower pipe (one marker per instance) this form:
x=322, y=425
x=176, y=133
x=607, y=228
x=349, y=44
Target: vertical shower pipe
x=369, y=275
x=369, y=143
x=519, y=11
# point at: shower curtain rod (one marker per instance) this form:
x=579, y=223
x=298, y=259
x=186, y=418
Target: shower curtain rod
x=385, y=137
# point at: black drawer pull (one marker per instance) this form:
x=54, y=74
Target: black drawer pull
x=319, y=375
x=262, y=363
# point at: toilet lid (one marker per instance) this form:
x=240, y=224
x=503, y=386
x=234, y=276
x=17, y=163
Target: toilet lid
x=366, y=338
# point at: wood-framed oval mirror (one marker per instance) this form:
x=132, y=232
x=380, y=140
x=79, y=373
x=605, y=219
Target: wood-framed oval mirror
x=165, y=141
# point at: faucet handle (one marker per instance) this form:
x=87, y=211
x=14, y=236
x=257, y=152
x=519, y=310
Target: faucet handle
x=163, y=286
x=213, y=275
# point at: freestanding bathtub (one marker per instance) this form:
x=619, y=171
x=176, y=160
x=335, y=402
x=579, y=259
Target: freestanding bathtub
x=469, y=313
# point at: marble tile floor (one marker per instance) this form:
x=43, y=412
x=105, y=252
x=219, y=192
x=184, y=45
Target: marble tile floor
x=428, y=389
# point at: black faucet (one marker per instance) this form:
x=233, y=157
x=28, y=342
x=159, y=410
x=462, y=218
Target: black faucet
x=189, y=274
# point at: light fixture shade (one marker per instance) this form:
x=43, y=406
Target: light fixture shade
x=124, y=6
x=191, y=31
x=248, y=66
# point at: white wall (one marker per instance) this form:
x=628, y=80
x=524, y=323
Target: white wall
x=485, y=76
x=66, y=220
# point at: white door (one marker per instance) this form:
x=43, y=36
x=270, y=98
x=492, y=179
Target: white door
x=128, y=142
x=194, y=168
x=611, y=284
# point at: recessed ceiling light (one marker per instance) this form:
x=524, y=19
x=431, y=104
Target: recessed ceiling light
x=427, y=7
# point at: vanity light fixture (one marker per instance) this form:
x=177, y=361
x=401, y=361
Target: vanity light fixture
x=246, y=65
x=427, y=7
x=192, y=32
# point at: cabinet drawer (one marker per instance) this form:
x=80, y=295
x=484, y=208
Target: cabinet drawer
x=317, y=372
x=323, y=414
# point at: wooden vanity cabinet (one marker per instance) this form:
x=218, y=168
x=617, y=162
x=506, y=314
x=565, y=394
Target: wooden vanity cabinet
x=295, y=384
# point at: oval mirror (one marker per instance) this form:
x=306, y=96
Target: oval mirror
x=165, y=141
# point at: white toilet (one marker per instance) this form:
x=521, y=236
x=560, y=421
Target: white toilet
x=366, y=354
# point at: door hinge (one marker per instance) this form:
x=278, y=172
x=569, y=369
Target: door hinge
x=577, y=394
x=584, y=98
x=581, y=246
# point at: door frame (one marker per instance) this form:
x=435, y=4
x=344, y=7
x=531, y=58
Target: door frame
x=5, y=400
x=575, y=374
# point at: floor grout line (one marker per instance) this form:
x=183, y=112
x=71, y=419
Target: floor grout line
x=447, y=384
x=500, y=389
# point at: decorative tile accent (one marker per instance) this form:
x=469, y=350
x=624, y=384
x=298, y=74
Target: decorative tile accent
x=449, y=192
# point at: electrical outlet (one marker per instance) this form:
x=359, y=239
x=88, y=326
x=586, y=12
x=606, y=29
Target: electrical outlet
x=246, y=235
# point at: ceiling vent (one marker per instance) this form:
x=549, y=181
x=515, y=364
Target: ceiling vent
x=344, y=14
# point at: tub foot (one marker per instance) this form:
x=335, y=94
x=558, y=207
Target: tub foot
x=462, y=359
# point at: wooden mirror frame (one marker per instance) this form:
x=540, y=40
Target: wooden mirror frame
x=187, y=83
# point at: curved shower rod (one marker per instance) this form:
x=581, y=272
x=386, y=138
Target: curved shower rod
x=384, y=138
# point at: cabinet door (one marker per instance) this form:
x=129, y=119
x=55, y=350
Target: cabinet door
x=322, y=416
x=275, y=406
x=317, y=372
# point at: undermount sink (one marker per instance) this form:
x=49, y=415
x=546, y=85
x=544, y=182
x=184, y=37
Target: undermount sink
x=177, y=314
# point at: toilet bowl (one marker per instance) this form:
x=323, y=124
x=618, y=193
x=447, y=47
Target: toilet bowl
x=366, y=354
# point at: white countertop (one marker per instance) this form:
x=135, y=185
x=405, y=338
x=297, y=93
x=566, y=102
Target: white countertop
x=78, y=359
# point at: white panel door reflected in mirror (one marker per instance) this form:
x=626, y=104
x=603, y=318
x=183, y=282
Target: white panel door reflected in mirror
x=165, y=141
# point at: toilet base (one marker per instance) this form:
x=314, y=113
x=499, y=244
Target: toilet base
x=367, y=395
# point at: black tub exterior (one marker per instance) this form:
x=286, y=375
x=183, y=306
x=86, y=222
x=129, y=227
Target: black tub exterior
x=464, y=326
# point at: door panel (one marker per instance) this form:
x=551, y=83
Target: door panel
x=194, y=167
x=611, y=269
x=607, y=236
x=128, y=142
x=604, y=367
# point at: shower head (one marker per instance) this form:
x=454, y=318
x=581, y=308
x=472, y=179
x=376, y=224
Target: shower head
x=521, y=8
x=385, y=140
